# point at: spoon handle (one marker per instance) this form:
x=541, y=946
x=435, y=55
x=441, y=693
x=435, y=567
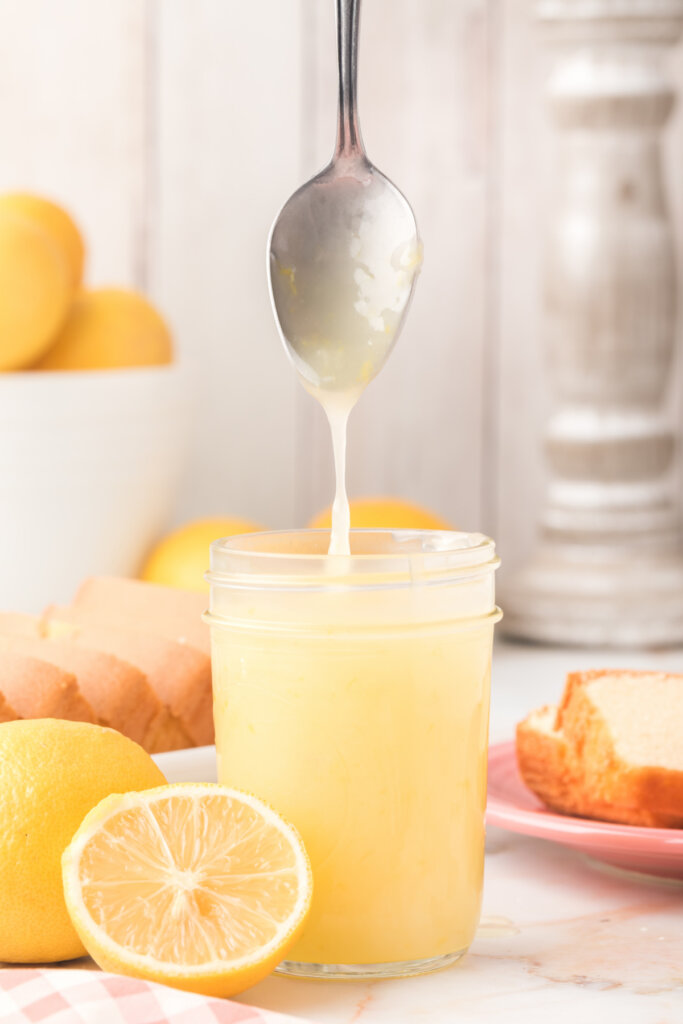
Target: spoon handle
x=349, y=142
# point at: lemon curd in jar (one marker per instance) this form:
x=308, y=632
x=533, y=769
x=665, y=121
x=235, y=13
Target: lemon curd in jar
x=352, y=694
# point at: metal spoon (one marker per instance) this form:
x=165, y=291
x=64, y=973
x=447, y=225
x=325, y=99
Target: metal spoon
x=344, y=254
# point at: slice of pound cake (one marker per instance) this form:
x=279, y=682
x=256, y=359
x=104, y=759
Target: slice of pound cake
x=147, y=607
x=612, y=750
x=32, y=688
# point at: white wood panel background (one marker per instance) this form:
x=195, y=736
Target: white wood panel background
x=174, y=129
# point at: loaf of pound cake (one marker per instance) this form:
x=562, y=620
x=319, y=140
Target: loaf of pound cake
x=126, y=654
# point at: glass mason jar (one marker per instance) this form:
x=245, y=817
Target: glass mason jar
x=352, y=694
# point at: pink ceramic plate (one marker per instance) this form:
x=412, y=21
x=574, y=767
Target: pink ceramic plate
x=654, y=851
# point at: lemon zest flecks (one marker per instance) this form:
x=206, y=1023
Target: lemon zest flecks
x=290, y=274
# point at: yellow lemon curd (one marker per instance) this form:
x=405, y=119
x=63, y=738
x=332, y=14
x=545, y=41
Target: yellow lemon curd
x=353, y=696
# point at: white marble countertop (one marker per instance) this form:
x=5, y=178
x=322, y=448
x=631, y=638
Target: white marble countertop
x=561, y=939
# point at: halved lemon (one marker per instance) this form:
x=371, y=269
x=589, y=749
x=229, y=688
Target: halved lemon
x=194, y=885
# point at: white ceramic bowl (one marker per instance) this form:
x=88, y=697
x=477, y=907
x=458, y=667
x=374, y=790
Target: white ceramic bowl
x=90, y=465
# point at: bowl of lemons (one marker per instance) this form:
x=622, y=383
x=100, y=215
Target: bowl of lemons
x=94, y=413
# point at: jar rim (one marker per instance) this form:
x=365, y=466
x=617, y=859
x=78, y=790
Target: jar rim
x=378, y=557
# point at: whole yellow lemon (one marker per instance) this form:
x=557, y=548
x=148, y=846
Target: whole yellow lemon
x=181, y=558
x=35, y=291
x=385, y=513
x=51, y=774
x=55, y=221
x=107, y=328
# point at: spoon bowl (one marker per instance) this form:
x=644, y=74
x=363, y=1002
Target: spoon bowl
x=343, y=254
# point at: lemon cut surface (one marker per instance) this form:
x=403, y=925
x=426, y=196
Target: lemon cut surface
x=196, y=886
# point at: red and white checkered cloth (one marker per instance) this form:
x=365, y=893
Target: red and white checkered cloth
x=93, y=997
